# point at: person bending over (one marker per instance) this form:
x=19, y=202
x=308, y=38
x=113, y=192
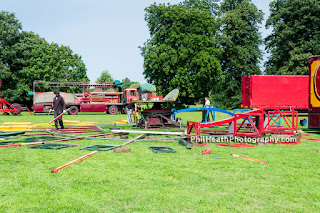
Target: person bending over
x=130, y=107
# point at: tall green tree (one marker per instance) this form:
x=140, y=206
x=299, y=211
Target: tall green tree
x=10, y=29
x=134, y=85
x=295, y=36
x=240, y=41
x=17, y=86
x=53, y=62
x=126, y=82
x=105, y=77
x=181, y=52
x=25, y=57
x=209, y=5
x=15, y=51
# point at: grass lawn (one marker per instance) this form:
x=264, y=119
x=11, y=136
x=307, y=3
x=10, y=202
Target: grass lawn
x=142, y=181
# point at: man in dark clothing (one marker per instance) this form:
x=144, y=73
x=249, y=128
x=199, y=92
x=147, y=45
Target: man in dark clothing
x=58, y=107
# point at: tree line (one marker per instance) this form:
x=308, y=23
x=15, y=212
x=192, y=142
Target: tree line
x=26, y=57
x=201, y=47
x=204, y=47
x=106, y=76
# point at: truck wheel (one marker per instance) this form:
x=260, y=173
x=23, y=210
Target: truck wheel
x=73, y=110
x=18, y=106
x=113, y=110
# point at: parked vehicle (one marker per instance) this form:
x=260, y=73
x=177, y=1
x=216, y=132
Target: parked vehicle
x=90, y=97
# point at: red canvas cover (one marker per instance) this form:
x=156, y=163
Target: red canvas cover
x=275, y=91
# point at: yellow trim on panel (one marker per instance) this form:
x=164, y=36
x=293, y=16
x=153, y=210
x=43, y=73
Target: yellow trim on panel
x=314, y=101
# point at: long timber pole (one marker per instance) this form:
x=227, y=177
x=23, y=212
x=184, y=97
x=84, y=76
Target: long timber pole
x=91, y=153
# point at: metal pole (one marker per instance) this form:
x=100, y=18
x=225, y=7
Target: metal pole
x=59, y=116
x=239, y=156
x=72, y=162
x=91, y=153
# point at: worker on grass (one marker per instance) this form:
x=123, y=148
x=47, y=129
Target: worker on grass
x=130, y=107
x=59, y=107
x=204, y=112
x=136, y=114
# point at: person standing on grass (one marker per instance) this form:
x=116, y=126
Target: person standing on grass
x=207, y=102
x=58, y=107
x=204, y=112
x=136, y=113
x=130, y=107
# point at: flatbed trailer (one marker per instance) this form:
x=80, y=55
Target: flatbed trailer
x=105, y=97
x=90, y=97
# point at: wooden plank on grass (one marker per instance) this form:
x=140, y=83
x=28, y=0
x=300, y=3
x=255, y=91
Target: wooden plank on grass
x=147, y=132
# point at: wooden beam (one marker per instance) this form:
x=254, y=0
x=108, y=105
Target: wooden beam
x=55, y=170
x=148, y=132
x=239, y=156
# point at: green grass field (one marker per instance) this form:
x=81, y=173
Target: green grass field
x=141, y=181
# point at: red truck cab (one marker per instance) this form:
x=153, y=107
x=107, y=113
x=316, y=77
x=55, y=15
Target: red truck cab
x=131, y=95
x=134, y=95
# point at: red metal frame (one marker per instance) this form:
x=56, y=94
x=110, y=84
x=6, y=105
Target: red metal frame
x=238, y=130
x=254, y=129
x=6, y=106
x=23, y=108
x=291, y=123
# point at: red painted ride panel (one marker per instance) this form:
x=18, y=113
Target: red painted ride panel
x=93, y=108
x=38, y=108
x=259, y=91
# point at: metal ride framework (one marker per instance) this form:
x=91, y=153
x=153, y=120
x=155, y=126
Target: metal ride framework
x=210, y=111
x=258, y=122
x=6, y=106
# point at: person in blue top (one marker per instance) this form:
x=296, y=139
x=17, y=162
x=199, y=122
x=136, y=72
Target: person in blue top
x=204, y=112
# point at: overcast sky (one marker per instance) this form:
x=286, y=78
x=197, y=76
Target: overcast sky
x=105, y=33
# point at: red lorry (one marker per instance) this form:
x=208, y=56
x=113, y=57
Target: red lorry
x=90, y=97
x=280, y=91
